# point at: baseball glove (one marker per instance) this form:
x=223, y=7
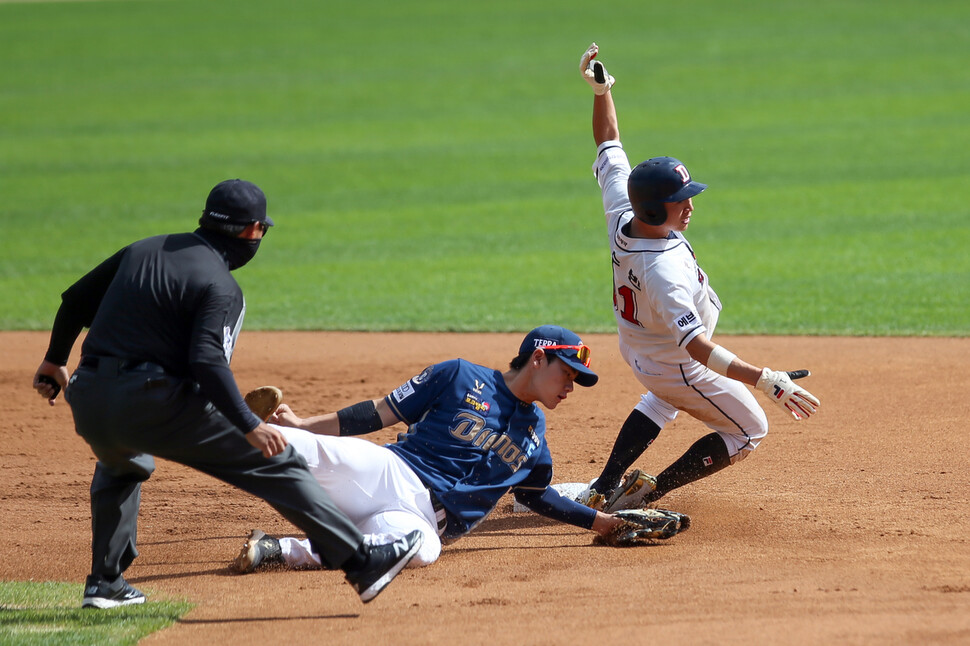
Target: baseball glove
x=264, y=401
x=642, y=526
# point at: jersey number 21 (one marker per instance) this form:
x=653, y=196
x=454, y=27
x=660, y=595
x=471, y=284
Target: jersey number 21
x=625, y=302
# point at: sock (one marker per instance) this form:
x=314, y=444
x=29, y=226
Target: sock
x=706, y=456
x=636, y=434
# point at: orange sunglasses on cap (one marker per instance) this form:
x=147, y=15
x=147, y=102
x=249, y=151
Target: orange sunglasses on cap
x=582, y=351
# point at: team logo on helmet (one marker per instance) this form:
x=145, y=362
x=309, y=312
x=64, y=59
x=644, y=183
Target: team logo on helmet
x=681, y=170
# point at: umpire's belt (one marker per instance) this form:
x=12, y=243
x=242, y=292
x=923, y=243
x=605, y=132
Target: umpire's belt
x=439, y=513
x=116, y=366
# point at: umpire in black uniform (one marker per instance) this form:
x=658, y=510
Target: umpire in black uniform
x=154, y=380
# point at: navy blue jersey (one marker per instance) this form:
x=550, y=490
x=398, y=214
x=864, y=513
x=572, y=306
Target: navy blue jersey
x=470, y=440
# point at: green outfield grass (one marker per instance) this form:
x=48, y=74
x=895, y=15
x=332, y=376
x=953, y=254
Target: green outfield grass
x=428, y=162
x=49, y=614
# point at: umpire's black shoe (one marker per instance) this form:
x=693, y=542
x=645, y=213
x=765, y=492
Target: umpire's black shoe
x=383, y=564
x=98, y=593
x=259, y=550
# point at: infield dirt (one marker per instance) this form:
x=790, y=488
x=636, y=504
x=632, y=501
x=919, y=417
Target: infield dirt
x=848, y=528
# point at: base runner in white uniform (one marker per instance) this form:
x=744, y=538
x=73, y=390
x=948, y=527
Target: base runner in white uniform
x=666, y=313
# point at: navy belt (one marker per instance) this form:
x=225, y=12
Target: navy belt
x=439, y=513
x=116, y=366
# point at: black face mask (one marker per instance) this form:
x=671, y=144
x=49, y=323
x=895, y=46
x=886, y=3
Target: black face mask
x=236, y=251
x=240, y=251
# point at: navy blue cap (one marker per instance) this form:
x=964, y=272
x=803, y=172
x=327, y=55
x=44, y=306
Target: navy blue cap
x=236, y=201
x=547, y=335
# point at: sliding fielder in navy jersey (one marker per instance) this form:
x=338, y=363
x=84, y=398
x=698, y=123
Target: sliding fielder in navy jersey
x=492, y=440
x=475, y=433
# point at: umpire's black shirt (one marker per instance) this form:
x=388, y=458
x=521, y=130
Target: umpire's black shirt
x=169, y=300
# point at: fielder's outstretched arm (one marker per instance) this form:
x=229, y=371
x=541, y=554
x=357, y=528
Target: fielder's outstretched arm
x=551, y=504
x=647, y=523
x=364, y=417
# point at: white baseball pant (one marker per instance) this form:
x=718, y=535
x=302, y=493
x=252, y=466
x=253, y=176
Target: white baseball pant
x=378, y=491
x=725, y=405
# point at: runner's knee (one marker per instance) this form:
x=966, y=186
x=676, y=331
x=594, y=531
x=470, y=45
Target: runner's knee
x=657, y=410
x=742, y=442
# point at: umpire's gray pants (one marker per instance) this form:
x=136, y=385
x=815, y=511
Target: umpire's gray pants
x=129, y=416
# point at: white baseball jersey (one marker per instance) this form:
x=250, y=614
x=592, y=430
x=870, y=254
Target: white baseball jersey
x=662, y=299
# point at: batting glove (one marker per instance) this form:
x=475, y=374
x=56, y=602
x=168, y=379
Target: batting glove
x=783, y=391
x=594, y=72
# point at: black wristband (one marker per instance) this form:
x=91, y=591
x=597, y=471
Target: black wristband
x=359, y=419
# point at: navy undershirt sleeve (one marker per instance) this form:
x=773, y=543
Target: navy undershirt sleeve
x=550, y=504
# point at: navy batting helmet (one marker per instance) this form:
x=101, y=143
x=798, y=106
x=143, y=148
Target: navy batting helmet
x=656, y=181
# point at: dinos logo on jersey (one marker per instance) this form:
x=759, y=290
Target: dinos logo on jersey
x=470, y=427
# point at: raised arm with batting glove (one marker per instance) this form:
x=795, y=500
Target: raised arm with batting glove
x=594, y=72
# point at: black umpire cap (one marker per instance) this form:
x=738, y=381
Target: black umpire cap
x=236, y=201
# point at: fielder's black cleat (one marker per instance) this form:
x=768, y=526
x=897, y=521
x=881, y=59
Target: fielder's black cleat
x=259, y=550
x=98, y=593
x=384, y=562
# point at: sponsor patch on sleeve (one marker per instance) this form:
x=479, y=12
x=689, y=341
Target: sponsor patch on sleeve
x=687, y=321
x=403, y=392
